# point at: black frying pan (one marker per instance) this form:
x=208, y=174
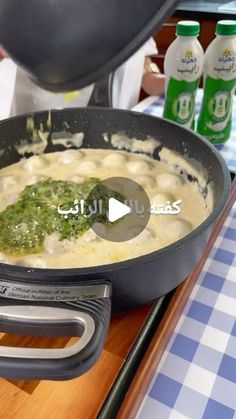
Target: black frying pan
x=78, y=301
x=68, y=44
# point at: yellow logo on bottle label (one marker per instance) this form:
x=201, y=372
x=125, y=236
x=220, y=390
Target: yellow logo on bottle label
x=189, y=53
x=188, y=57
x=227, y=56
x=226, y=52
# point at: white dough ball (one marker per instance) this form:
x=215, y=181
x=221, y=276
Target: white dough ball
x=169, y=181
x=175, y=228
x=87, y=166
x=35, y=163
x=90, y=236
x=145, y=181
x=161, y=199
x=138, y=167
x=146, y=235
x=69, y=156
x=53, y=245
x=114, y=160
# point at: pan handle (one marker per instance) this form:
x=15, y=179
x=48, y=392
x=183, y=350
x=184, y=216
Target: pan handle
x=87, y=319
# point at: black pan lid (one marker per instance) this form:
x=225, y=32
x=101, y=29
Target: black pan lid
x=69, y=44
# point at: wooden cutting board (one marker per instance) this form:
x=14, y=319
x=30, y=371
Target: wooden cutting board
x=79, y=398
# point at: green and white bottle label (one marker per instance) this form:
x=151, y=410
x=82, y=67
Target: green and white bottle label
x=180, y=101
x=214, y=121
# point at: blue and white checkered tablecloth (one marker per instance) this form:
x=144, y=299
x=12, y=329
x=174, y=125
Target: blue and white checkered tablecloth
x=154, y=106
x=196, y=378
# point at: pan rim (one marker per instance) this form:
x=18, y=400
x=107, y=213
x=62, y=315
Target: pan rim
x=47, y=274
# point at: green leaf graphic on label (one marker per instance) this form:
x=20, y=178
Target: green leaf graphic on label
x=215, y=118
x=180, y=101
x=219, y=105
x=183, y=108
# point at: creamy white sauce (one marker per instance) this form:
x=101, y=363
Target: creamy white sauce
x=159, y=180
x=37, y=146
x=73, y=140
x=122, y=142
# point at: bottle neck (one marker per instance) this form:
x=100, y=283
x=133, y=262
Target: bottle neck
x=228, y=37
x=187, y=38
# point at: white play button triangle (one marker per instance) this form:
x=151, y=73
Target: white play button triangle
x=125, y=209
x=117, y=210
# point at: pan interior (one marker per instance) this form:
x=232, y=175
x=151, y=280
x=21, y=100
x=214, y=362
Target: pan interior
x=99, y=129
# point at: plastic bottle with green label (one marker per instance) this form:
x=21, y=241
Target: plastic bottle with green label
x=215, y=120
x=183, y=66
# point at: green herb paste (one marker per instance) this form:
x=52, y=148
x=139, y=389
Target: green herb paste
x=25, y=224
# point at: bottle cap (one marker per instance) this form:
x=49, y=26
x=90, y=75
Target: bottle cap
x=187, y=28
x=226, y=27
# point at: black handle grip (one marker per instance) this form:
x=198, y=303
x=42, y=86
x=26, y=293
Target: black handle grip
x=88, y=319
